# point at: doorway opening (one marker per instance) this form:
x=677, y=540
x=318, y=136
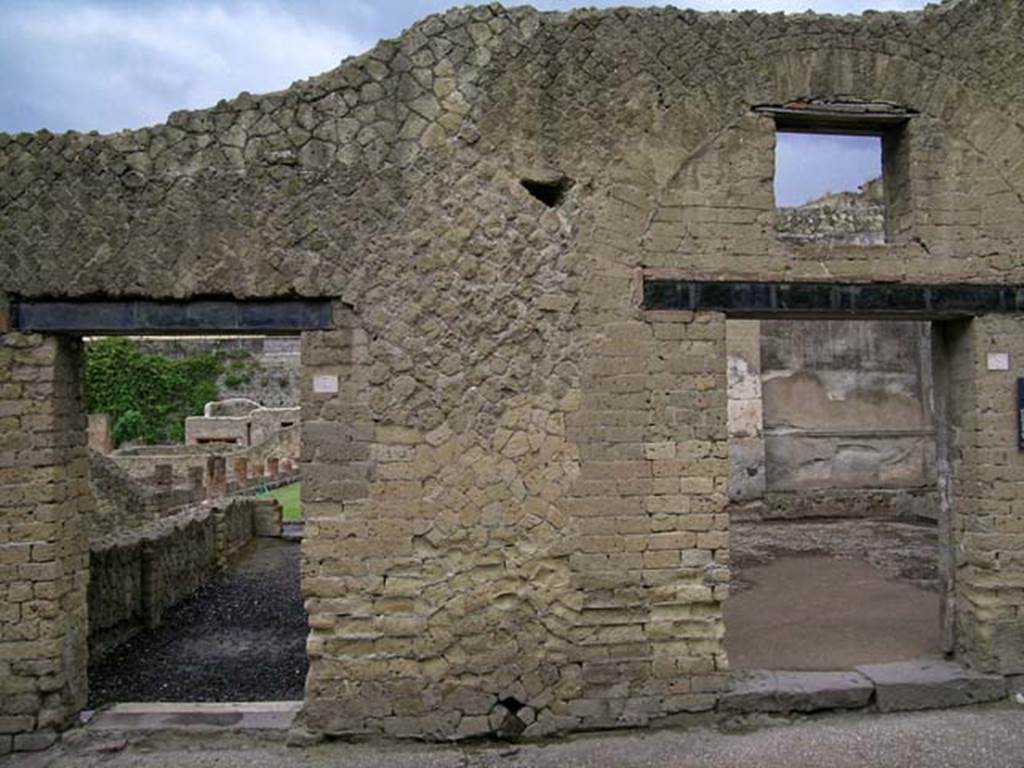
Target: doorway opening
x=194, y=448
x=835, y=505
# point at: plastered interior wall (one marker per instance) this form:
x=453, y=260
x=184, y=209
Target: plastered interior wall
x=517, y=492
x=832, y=417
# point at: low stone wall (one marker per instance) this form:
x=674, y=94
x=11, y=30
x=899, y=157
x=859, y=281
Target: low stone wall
x=141, y=462
x=910, y=504
x=124, y=503
x=137, y=576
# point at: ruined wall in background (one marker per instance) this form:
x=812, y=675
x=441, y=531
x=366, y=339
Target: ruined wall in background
x=848, y=426
x=141, y=462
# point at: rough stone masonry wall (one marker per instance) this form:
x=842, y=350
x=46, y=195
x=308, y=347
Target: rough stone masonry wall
x=459, y=555
x=44, y=501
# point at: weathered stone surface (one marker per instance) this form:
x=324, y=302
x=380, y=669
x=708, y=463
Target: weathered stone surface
x=35, y=741
x=522, y=492
x=768, y=691
x=930, y=683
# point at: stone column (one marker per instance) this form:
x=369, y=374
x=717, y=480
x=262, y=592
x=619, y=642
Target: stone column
x=272, y=468
x=163, y=475
x=241, y=471
x=216, y=472
x=256, y=470
x=44, y=496
x=100, y=438
x=195, y=484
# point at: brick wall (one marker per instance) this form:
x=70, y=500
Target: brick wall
x=44, y=495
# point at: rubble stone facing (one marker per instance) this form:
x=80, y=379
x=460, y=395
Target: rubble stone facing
x=515, y=495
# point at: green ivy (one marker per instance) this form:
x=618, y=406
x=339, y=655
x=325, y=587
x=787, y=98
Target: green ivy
x=147, y=396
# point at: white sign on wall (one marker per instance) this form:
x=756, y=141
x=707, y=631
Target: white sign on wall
x=325, y=385
x=998, y=361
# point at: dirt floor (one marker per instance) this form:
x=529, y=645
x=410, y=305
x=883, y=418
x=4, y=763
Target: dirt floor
x=831, y=595
x=242, y=637
x=906, y=552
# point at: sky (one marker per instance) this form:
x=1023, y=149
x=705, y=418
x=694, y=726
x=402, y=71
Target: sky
x=112, y=64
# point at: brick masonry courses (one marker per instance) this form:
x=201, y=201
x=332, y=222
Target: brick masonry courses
x=517, y=493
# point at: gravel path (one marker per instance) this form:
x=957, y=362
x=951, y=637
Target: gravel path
x=242, y=637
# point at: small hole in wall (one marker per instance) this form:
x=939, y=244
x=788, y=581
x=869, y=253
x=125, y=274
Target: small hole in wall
x=512, y=704
x=551, y=192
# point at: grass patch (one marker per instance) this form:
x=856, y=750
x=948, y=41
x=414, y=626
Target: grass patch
x=288, y=497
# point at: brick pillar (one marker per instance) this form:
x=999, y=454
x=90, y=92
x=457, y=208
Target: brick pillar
x=337, y=433
x=216, y=472
x=272, y=468
x=984, y=525
x=163, y=475
x=241, y=471
x=652, y=560
x=44, y=497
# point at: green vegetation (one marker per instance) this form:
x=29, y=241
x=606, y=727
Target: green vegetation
x=240, y=369
x=288, y=497
x=147, y=396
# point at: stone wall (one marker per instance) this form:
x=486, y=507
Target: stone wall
x=124, y=503
x=239, y=422
x=137, y=575
x=140, y=462
x=746, y=411
x=842, y=218
x=517, y=491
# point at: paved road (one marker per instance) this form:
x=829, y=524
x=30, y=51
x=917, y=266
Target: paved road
x=973, y=738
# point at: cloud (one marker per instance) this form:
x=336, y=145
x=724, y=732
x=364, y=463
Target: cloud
x=107, y=67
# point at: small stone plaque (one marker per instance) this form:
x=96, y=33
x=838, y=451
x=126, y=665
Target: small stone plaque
x=325, y=385
x=998, y=361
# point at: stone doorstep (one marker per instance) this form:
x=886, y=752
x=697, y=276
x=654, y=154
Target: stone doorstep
x=897, y=686
x=781, y=692
x=930, y=684
x=205, y=717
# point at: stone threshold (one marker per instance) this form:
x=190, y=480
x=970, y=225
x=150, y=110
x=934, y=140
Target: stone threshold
x=197, y=717
x=891, y=687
